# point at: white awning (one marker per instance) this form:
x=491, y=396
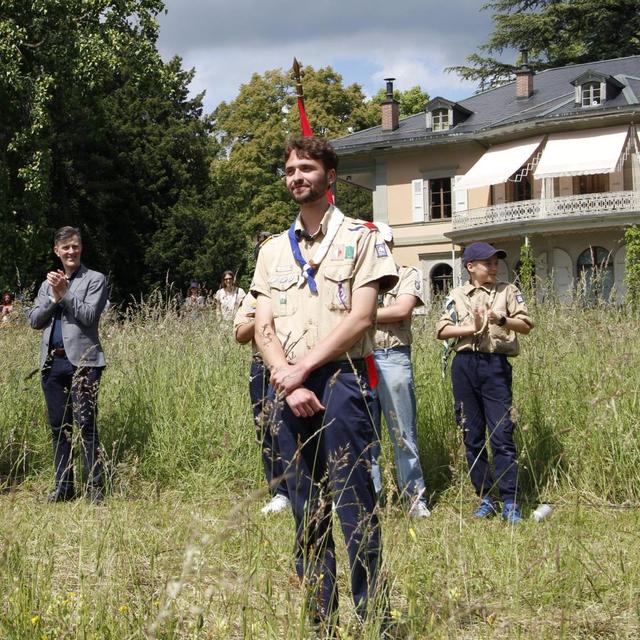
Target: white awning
x=498, y=163
x=580, y=153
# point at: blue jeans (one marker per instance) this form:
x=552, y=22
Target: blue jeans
x=397, y=399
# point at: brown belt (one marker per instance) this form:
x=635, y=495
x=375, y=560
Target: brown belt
x=58, y=353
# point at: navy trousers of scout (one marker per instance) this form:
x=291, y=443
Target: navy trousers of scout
x=258, y=385
x=482, y=395
x=71, y=393
x=327, y=458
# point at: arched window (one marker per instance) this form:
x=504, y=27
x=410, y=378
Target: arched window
x=441, y=279
x=595, y=269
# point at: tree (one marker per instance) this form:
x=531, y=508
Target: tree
x=252, y=129
x=555, y=33
x=97, y=131
x=411, y=101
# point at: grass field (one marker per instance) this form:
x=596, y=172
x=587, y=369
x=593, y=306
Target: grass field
x=180, y=550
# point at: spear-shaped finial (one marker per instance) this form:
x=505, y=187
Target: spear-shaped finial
x=297, y=76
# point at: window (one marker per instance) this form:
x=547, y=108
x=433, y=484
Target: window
x=441, y=279
x=591, y=94
x=595, y=183
x=595, y=271
x=440, y=120
x=440, y=198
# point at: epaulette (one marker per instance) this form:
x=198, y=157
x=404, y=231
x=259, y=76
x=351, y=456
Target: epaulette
x=363, y=224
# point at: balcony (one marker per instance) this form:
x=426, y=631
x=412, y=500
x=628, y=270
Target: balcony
x=591, y=205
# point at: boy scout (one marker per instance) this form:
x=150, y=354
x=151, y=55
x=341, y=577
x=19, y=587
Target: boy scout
x=243, y=331
x=485, y=317
x=316, y=289
x=396, y=389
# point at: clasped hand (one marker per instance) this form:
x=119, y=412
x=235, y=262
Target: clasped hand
x=287, y=382
x=59, y=283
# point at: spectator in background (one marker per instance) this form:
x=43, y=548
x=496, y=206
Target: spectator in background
x=194, y=299
x=228, y=297
x=6, y=308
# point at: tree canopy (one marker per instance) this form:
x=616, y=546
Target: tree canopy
x=555, y=33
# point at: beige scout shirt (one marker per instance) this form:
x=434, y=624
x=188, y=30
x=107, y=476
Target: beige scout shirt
x=356, y=257
x=505, y=299
x=244, y=315
x=398, y=334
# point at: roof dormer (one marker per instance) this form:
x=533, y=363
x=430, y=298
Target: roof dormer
x=593, y=88
x=443, y=114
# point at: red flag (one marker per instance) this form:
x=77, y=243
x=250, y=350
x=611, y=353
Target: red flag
x=304, y=121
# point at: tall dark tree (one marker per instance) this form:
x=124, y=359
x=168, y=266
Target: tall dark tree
x=555, y=33
x=97, y=131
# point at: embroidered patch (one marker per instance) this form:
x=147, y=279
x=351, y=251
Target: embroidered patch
x=381, y=250
x=520, y=298
x=418, y=284
x=338, y=252
x=349, y=252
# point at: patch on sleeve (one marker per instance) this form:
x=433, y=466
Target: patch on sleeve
x=381, y=250
x=520, y=298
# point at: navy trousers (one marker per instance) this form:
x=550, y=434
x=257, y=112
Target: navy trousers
x=271, y=462
x=327, y=459
x=71, y=393
x=482, y=394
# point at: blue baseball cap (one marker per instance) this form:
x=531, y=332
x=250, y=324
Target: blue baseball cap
x=481, y=251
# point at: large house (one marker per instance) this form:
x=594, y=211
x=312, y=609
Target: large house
x=550, y=160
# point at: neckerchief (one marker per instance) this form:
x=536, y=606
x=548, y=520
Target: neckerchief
x=310, y=268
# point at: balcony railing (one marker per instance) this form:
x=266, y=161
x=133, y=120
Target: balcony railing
x=567, y=206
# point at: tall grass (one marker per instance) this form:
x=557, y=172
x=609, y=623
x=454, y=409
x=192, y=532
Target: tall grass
x=180, y=551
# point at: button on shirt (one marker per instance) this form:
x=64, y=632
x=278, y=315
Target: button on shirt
x=398, y=334
x=356, y=257
x=505, y=299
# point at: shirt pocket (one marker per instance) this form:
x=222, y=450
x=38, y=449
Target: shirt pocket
x=284, y=295
x=337, y=287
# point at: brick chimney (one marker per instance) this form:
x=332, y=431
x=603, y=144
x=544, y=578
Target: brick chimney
x=524, y=77
x=390, y=109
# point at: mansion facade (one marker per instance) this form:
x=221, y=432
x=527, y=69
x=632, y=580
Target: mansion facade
x=551, y=160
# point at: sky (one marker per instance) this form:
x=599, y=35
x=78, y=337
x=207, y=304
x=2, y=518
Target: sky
x=363, y=40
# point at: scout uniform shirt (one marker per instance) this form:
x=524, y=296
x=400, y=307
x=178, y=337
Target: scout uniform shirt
x=398, y=334
x=505, y=299
x=245, y=315
x=357, y=256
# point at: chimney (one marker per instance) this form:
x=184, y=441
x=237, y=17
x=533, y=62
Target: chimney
x=524, y=77
x=390, y=109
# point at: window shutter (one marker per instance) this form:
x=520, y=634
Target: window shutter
x=459, y=196
x=417, y=192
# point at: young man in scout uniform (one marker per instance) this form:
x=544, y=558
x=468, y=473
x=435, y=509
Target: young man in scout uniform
x=243, y=330
x=485, y=317
x=396, y=390
x=316, y=289
x=68, y=308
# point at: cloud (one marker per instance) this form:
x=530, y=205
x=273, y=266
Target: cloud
x=364, y=40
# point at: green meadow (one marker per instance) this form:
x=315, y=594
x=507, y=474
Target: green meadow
x=180, y=550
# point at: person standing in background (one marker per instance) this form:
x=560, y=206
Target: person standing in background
x=68, y=309
x=228, y=297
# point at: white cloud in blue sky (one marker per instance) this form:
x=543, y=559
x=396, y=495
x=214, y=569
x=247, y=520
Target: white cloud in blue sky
x=364, y=40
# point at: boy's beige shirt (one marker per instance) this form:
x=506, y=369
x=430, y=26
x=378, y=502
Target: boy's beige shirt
x=505, y=299
x=244, y=315
x=398, y=334
x=357, y=256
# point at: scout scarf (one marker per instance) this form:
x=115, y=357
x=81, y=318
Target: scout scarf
x=309, y=268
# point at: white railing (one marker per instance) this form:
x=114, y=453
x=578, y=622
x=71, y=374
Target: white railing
x=567, y=206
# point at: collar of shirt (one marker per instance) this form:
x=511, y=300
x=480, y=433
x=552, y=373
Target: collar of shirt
x=470, y=288
x=301, y=232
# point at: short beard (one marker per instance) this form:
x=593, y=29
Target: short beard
x=312, y=196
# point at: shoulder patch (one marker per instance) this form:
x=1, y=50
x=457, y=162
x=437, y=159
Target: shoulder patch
x=519, y=298
x=381, y=250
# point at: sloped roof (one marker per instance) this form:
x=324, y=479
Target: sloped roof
x=552, y=98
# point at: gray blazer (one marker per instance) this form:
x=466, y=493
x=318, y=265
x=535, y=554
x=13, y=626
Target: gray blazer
x=82, y=305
